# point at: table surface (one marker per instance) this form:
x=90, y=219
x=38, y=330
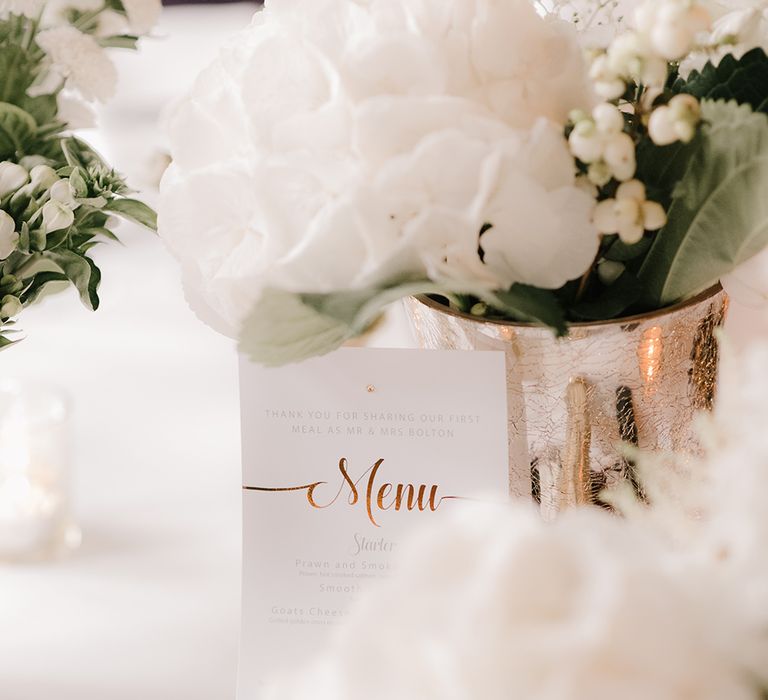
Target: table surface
x=148, y=608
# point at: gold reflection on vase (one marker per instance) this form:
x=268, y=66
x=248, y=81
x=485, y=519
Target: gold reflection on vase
x=649, y=353
x=572, y=401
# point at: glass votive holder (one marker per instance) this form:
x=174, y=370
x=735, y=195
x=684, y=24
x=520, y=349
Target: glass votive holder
x=35, y=472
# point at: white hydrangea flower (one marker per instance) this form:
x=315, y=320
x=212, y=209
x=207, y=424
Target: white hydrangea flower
x=79, y=59
x=363, y=141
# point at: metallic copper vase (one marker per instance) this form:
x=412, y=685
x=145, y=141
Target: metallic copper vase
x=573, y=401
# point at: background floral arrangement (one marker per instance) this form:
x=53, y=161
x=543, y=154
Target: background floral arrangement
x=340, y=155
x=669, y=602
x=58, y=198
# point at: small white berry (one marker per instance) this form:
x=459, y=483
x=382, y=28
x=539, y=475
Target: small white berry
x=631, y=233
x=587, y=149
x=608, y=271
x=654, y=216
x=632, y=189
x=619, y=155
x=608, y=118
x=661, y=128
x=599, y=173
x=604, y=217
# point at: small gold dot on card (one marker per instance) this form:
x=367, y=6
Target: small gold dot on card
x=370, y=388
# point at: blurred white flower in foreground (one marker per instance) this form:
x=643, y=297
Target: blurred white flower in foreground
x=669, y=602
x=495, y=604
x=365, y=142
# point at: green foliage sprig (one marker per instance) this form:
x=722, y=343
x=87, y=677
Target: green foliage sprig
x=58, y=198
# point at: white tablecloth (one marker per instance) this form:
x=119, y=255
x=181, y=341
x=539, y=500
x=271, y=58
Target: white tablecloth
x=147, y=609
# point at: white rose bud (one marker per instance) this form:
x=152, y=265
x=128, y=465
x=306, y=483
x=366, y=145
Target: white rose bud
x=10, y=306
x=8, y=236
x=56, y=216
x=12, y=177
x=43, y=177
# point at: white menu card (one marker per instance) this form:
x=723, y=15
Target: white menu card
x=343, y=455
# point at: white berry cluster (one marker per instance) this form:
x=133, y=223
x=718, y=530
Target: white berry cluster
x=676, y=121
x=664, y=30
x=599, y=141
x=629, y=213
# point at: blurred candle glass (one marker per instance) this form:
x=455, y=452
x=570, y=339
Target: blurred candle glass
x=35, y=509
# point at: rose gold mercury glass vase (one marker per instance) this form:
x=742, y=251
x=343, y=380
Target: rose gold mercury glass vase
x=573, y=401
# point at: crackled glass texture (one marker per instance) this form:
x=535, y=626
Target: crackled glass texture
x=573, y=401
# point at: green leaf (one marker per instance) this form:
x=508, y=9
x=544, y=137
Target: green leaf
x=719, y=213
x=123, y=41
x=532, y=305
x=17, y=129
x=358, y=309
x=17, y=68
x=660, y=168
x=134, y=210
x=81, y=271
x=744, y=80
x=613, y=301
x=281, y=329
x=6, y=342
x=100, y=231
x=78, y=153
x=623, y=252
x=285, y=327
x=39, y=281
